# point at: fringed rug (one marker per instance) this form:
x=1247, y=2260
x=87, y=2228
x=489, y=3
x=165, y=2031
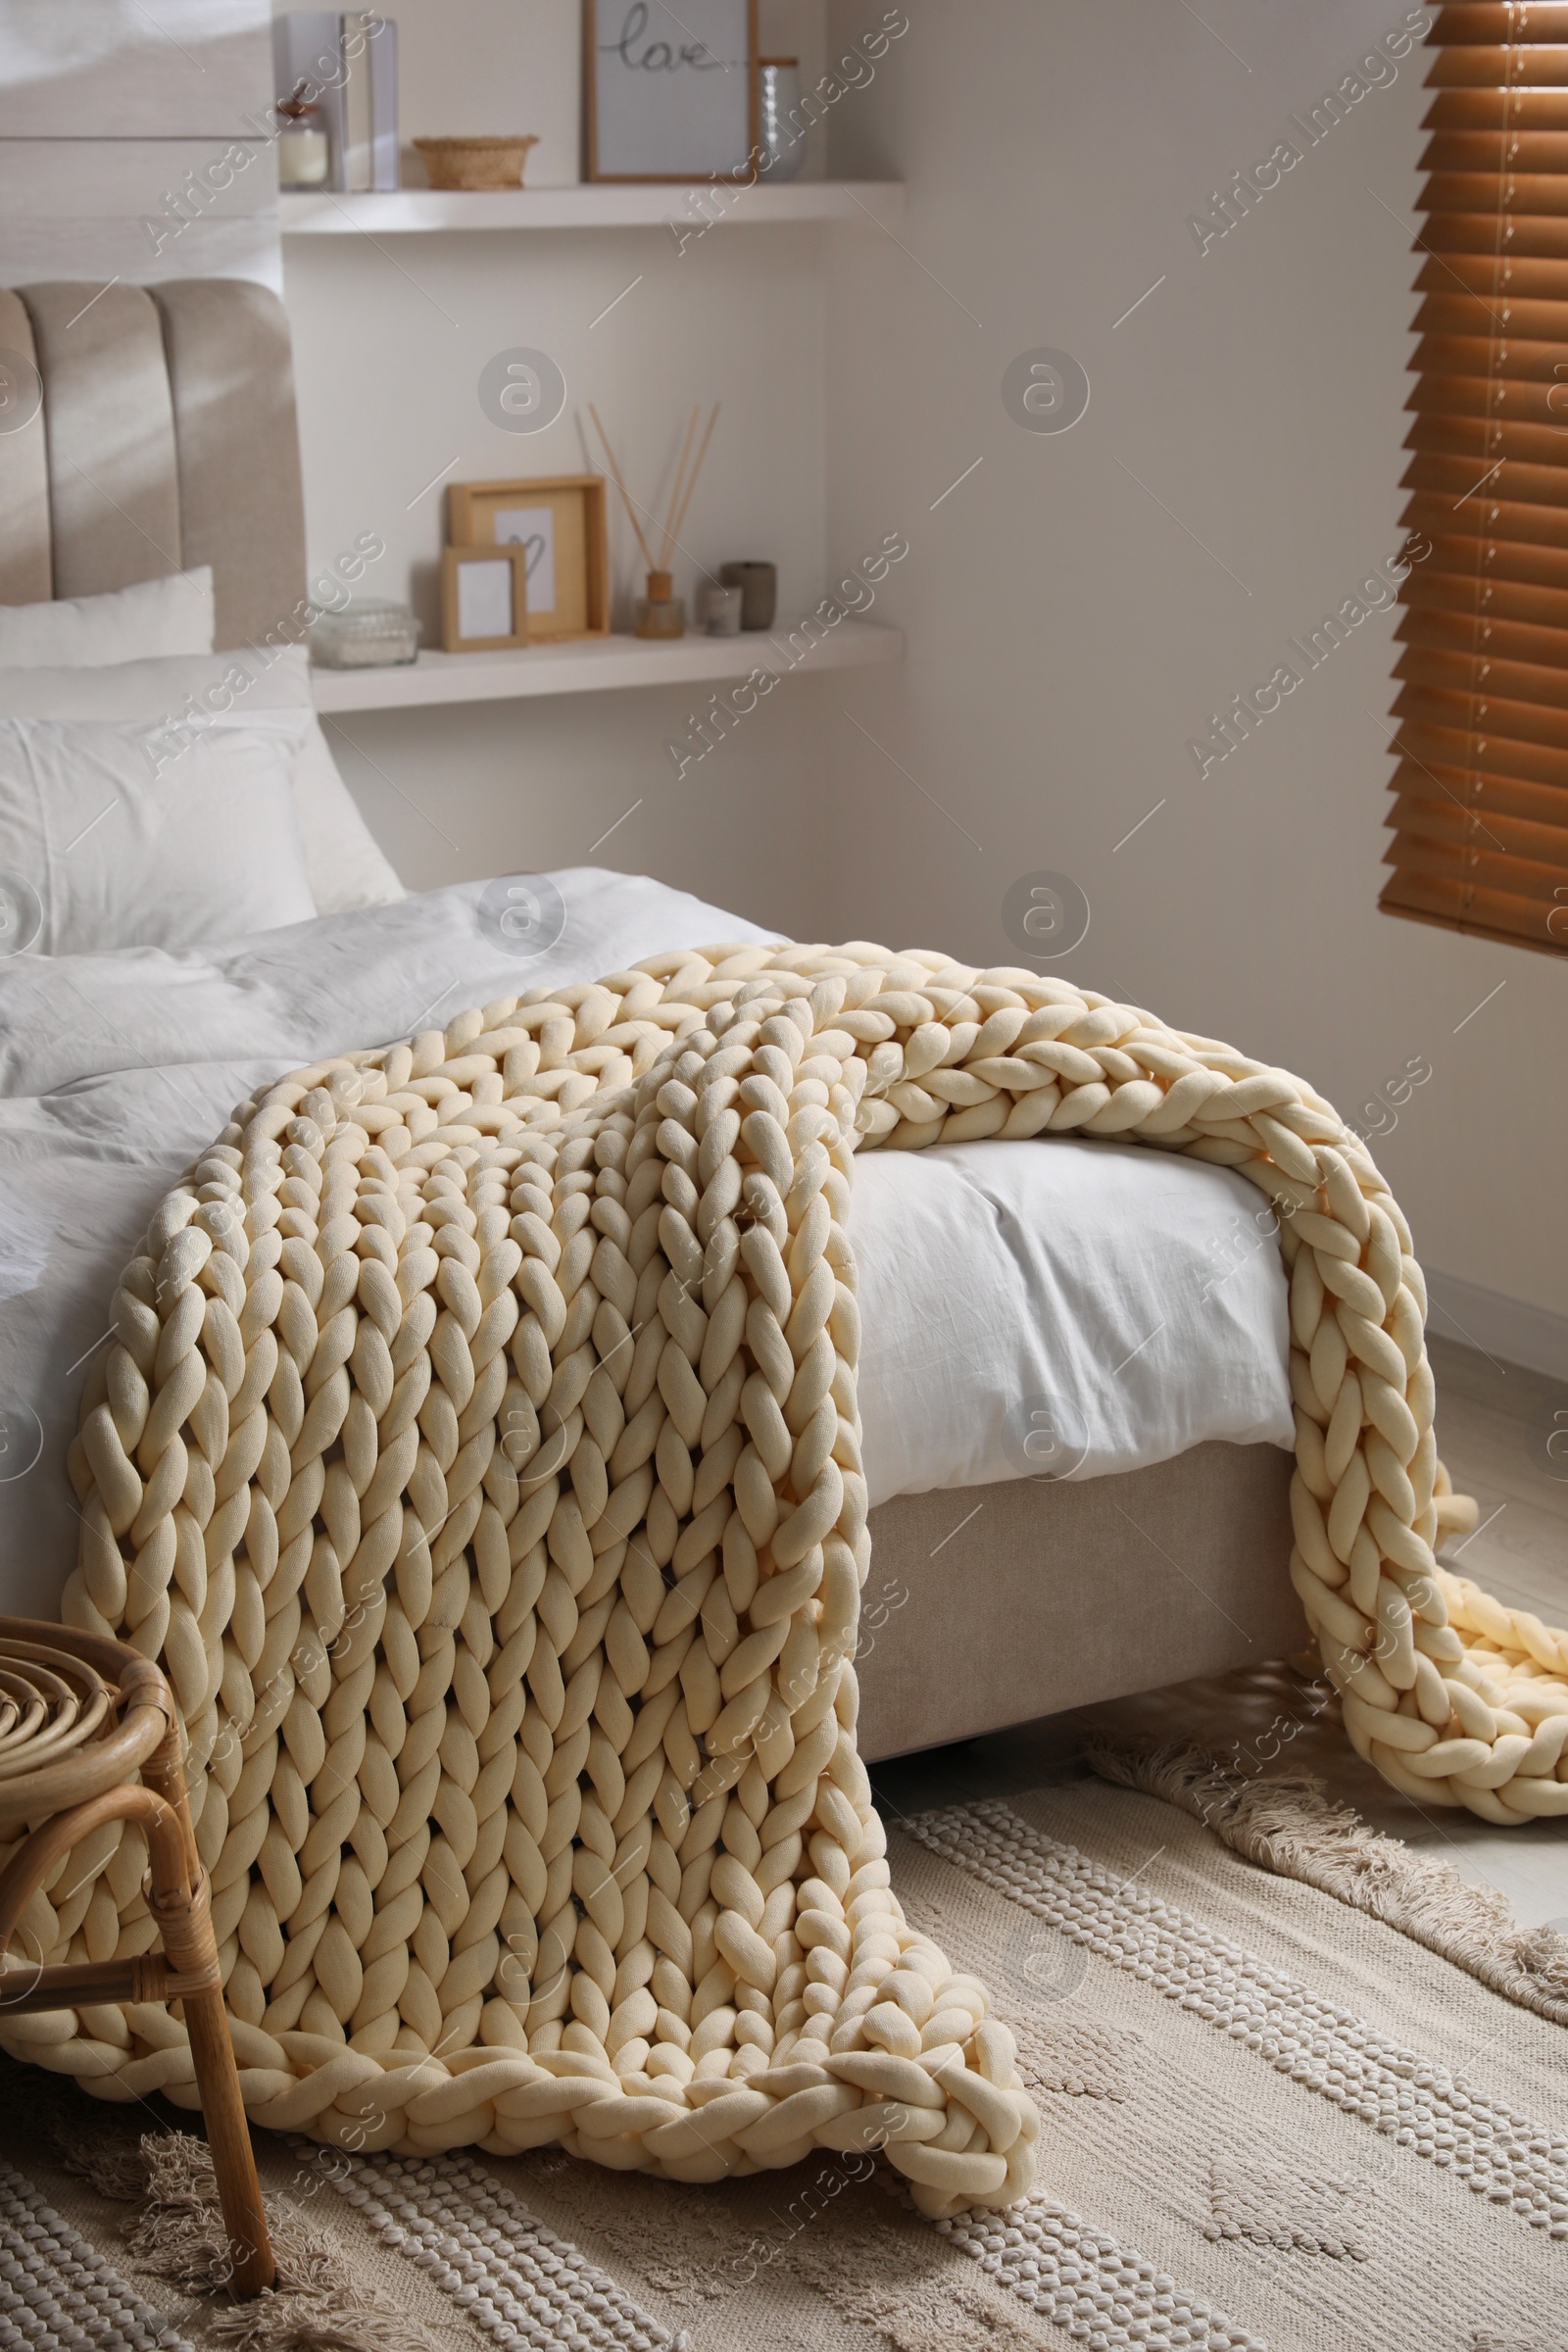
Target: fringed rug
x=1272, y=2119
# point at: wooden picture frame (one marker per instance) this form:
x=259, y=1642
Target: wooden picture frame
x=569, y=580
x=655, y=105
x=470, y=602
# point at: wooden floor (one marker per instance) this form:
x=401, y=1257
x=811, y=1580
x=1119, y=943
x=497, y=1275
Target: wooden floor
x=1494, y=1424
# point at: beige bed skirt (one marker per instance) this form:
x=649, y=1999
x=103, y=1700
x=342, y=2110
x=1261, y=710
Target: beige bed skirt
x=991, y=1605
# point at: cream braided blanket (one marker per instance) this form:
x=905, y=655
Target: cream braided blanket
x=479, y=1454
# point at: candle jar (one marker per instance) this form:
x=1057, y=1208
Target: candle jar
x=722, y=611
x=304, y=155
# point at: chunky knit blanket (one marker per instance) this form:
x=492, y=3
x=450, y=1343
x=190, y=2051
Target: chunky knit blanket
x=479, y=1454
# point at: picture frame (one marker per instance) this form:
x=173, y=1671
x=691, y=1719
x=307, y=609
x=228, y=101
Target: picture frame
x=484, y=598
x=669, y=93
x=562, y=522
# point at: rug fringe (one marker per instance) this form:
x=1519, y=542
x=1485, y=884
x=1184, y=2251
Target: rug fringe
x=1289, y=1823
x=114, y=2166
x=317, y=2304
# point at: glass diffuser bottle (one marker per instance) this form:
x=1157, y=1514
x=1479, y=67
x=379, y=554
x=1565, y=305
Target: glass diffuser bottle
x=661, y=612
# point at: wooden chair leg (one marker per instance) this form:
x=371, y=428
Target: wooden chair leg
x=82, y=1785
x=184, y=1919
x=228, y=2134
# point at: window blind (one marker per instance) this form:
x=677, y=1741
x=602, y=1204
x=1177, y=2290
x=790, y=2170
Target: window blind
x=1480, y=815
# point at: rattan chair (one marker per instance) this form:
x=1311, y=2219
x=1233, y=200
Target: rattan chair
x=81, y=1719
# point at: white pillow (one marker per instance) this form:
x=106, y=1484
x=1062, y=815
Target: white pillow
x=151, y=622
x=129, y=836
x=343, y=864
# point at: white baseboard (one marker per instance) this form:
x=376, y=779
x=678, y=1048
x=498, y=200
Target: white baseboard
x=1509, y=1328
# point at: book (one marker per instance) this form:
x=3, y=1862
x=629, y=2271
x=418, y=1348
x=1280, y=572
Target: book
x=358, y=36
x=382, y=60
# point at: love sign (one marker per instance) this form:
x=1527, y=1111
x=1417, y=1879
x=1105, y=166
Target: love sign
x=671, y=91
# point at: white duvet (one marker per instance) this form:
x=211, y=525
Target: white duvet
x=1065, y=1306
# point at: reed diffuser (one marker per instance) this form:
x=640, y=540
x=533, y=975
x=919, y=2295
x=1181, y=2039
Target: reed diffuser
x=661, y=612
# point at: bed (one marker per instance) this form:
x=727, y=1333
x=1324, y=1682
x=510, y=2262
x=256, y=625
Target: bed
x=1098, y=1506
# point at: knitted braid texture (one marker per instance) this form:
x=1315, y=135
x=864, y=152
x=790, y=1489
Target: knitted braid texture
x=479, y=1455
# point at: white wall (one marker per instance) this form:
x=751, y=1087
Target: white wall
x=116, y=123
x=466, y=68
x=1068, y=633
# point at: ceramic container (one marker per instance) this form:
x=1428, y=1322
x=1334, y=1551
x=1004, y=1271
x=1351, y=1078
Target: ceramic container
x=759, y=586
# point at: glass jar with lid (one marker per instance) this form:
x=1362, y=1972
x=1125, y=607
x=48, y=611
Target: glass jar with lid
x=304, y=154
x=370, y=635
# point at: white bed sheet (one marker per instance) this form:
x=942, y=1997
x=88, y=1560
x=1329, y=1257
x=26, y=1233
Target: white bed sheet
x=1028, y=1269
x=1064, y=1311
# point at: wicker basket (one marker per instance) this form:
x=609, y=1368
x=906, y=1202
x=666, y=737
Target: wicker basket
x=474, y=163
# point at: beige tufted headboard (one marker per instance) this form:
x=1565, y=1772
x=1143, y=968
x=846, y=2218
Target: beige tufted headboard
x=167, y=439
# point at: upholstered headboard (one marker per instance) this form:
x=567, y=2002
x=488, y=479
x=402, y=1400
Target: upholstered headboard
x=167, y=439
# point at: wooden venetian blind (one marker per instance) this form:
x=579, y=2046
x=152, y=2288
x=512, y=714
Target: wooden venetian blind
x=1480, y=813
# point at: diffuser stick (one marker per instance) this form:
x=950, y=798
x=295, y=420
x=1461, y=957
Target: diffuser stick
x=680, y=472
x=627, y=497
x=673, y=533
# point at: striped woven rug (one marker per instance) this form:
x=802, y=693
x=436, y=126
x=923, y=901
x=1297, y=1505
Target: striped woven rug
x=1272, y=2123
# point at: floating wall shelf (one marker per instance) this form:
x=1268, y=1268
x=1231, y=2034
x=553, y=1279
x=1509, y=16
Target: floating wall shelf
x=410, y=212
x=593, y=664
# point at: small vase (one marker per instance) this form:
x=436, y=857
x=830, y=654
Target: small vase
x=661, y=612
x=779, y=98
